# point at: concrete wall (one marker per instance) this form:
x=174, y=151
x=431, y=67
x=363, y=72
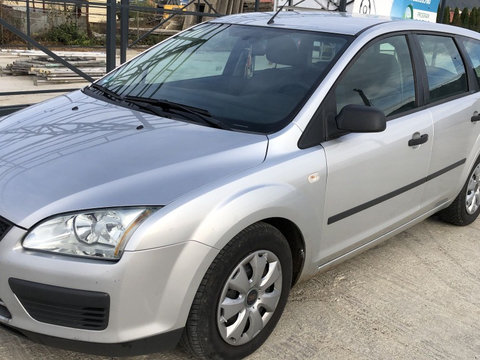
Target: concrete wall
x=41, y=20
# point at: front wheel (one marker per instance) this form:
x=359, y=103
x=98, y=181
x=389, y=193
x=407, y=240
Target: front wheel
x=242, y=295
x=466, y=207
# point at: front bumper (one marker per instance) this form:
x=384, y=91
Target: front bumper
x=150, y=292
x=156, y=343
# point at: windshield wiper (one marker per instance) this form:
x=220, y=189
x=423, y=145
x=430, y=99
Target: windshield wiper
x=105, y=91
x=147, y=106
x=189, y=112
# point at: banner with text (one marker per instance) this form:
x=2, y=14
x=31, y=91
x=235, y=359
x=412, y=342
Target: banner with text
x=425, y=10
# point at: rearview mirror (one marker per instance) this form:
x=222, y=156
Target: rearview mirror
x=361, y=118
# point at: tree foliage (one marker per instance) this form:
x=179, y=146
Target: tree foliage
x=478, y=20
x=473, y=24
x=465, y=18
x=446, y=15
x=457, y=21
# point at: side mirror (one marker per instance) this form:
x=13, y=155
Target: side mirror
x=361, y=119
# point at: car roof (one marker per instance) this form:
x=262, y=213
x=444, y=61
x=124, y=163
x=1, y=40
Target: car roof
x=336, y=22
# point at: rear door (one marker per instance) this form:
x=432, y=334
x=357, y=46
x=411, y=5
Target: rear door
x=375, y=180
x=453, y=100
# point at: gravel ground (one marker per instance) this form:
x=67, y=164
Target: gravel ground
x=415, y=296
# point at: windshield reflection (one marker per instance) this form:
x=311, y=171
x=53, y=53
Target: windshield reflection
x=35, y=141
x=250, y=78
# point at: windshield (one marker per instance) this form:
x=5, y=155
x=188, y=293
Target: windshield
x=248, y=78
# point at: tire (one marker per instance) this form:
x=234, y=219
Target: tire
x=258, y=300
x=466, y=207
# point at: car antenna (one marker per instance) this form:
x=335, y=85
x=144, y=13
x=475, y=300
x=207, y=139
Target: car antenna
x=273, y=17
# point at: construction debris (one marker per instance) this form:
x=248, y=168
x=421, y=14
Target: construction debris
x=46, y=70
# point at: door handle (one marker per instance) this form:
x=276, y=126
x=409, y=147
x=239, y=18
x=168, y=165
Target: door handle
x=415, y=141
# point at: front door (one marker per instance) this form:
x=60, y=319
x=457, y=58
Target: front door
x=375, y=181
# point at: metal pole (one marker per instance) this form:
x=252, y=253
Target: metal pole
x=257, y=3
x=199, y=18
x=111, y=35
x=124, y=30
x=28, y=22
x=441, y=8
x=343, y=6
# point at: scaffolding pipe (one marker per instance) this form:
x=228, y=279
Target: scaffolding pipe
x=31, y=41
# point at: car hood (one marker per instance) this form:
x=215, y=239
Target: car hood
x=76, y=152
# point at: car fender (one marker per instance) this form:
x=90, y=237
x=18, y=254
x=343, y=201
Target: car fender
x=247, y=207
x=213, y=215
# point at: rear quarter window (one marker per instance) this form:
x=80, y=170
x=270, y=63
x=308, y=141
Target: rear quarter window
x=473, y=52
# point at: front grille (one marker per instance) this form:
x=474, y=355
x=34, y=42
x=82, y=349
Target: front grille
x=73, y=308
x=5, y=226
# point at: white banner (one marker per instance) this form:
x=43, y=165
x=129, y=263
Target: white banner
x=425, y=10
x=372, y=7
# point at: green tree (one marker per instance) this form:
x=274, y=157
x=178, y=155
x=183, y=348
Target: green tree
x=477, y=27
x=446, y=15
x=456, y=18
x=473, y=19
x=465, y=18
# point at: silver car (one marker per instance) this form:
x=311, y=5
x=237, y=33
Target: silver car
x=182, y=195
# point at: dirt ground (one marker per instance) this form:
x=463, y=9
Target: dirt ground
x=415, y=296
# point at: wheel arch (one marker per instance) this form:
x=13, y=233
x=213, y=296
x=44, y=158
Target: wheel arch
x=278, y=205
x=295, y=240
x=471, y=160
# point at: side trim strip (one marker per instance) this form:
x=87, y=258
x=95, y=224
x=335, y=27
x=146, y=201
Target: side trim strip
x=369, y=204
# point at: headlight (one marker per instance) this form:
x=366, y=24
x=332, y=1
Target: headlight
x=97, y=233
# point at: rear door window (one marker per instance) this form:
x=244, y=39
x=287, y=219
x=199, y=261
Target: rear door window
x=444, y=65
